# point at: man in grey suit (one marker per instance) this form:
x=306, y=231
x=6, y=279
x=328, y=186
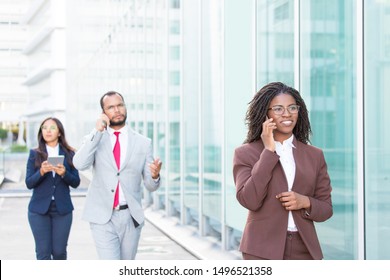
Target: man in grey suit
x=120, y=159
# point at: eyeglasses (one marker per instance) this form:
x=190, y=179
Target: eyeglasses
x=112, y=108
x=52, y=127
x=279, y=110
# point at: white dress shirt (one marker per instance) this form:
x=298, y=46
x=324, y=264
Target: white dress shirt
x=53, y=152
x=123, y=140
x=285, y=152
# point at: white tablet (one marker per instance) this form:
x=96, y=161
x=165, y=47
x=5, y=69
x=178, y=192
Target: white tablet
x=56, y=160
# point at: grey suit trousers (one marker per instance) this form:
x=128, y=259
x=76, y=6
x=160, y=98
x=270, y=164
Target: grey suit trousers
x=118, y=238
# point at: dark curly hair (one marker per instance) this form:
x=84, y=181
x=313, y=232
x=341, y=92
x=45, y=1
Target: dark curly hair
x=258, y=108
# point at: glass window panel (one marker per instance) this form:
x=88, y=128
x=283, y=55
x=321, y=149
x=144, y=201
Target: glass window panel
x=174, y=78
x=328, y=86
x=212, y=43
x=275, y=41
x=173, y=106
x=174, y=103
x=175, y=4
x=238, y=90
x=191, y=114
x=161, y=151
x=377, y=118
x=175, y=27
x=175, y=51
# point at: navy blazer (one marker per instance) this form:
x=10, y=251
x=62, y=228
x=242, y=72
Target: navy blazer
x=45, y=187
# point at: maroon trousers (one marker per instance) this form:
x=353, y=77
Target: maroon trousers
x=294, y=249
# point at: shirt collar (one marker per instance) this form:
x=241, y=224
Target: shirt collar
x=123, y=130
x=288, y=142
x=54, y=149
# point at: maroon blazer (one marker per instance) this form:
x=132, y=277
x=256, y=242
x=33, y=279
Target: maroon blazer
x=259, y=177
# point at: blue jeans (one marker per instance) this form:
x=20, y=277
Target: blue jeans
x=51, y=233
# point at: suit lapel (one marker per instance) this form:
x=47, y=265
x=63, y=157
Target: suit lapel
x=278, y=171
x=298, y=165
x=131, y=139
x=107, y=148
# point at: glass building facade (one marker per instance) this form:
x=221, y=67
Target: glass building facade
x=12, y=71
x=187, y=70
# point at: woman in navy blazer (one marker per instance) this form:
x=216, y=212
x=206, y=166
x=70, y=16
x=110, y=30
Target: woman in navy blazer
x=50, y=208
x=281, y=179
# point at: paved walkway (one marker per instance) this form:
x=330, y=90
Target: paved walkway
x=161, y=238
x=17, y=243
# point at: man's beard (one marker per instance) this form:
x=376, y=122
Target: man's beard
x=118, y=123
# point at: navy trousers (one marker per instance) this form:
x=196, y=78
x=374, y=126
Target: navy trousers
x=51, y=233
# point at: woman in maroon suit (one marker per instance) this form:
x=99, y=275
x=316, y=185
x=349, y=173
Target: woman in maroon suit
x=281, y=179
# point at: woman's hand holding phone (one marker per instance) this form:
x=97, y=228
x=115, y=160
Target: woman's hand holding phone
x=59, y=169
x=268, y=134
x=53, y=165
x=45, y=167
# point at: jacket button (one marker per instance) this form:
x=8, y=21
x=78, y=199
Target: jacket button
x=112, y=190
x=117, y=174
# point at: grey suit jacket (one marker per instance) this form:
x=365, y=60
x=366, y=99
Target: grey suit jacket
x=96, y=151
x=259, y=177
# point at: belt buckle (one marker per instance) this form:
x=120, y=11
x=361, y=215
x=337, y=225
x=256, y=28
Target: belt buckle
x=117, y=208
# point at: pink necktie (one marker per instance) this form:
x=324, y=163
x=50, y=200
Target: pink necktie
x=117, y=156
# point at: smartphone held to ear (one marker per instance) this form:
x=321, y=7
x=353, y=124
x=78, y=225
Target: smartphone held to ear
x=55, y=160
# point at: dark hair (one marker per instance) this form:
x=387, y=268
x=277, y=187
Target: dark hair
x=109, y=93
x=42, y=151
x=258, y=108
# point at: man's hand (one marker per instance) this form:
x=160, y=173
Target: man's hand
x=155, y=168
x=102, y=122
